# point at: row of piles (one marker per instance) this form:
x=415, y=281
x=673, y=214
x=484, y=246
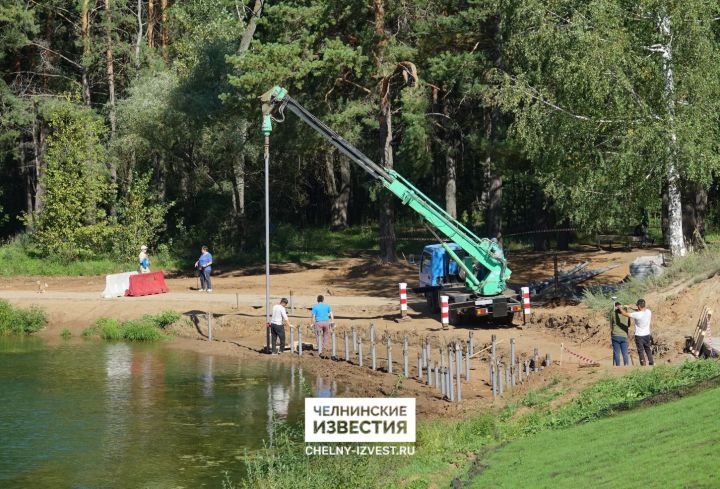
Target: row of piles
x=506, y=373
x=446, y=375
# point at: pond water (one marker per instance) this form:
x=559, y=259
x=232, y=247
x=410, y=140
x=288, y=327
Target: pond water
x=89, y=414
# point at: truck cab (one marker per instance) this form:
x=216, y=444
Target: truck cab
x=436, y=266
x=440, y=275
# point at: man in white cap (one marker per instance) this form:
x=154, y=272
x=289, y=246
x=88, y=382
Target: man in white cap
x=143, y=260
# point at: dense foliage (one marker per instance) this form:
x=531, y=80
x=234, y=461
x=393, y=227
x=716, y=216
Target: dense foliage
x=124, y=122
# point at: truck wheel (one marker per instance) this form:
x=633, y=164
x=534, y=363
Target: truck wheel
x=432, y=302
x=453, y=317
x=506, y=321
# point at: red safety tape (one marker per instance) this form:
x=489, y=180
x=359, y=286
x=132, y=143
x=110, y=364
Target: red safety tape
x=585, y=359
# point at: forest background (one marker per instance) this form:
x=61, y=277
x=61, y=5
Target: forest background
x=126, y=122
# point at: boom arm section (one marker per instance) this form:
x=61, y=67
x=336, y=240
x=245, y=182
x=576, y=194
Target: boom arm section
x=491, y=280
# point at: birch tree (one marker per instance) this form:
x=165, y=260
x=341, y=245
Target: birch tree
x=613, y=100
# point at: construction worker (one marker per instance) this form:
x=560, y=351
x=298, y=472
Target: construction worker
x=322, y=317
x=619, y=335
x=642, y=317
x=277, y=325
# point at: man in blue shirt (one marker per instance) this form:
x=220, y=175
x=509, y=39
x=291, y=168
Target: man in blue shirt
x=322, y=316
x=204, y=264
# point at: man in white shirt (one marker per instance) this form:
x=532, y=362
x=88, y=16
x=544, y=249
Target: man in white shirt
x=642, y=317
x=277, y=324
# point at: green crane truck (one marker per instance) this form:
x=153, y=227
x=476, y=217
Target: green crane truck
x=471, y=271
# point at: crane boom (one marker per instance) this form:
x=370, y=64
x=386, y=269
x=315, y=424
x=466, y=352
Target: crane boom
x=490, y=280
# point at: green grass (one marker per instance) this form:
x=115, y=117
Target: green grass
x=14, y=320
x=695, y=267
x=148, y=328
x=66, y=334
x=671, y=445
x=18, y=259
x=444, y=448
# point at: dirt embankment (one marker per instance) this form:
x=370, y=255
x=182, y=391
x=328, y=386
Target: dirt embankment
x=361, y=292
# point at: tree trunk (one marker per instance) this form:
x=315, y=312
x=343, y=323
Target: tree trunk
x=251, y=26
x=695, y=201
x=85, y=37
x=677, y=244
x=451, y=179
x=387, y=208
x=139, y=38
x=151, y=24
x=494, y=210
x=540, y=239
x=164, y=29
x=39, y=135
x=494, y=179
x=110, y=70
x=451, y=148
x=664, y=219
x=339, y=216
x=239, y=160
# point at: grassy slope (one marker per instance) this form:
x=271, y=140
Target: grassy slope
x=672, y=445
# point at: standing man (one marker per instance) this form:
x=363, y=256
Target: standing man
x=642, y=317
x=277, y=325
x=143, y=260
x=322, y=316
x=204, y=264
x=619, y=335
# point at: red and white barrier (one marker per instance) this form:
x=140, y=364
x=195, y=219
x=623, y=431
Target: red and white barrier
x=403, y=299
x=526, y=300
x=117, y=284
x=444, y=311
x=147, y=284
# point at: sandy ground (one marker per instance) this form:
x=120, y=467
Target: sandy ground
x=363, y=291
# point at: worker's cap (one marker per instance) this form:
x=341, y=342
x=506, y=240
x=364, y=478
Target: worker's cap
x=283, y=301
x=143, y=247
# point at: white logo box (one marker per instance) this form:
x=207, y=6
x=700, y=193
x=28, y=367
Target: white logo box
x=360, y=420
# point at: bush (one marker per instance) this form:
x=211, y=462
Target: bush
x=20, y=321
x=164, y=319
x=109, y=329
x=146, y=329
x=141, y=330
x=66, y=334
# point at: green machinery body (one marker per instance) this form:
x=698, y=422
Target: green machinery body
x=491, y=280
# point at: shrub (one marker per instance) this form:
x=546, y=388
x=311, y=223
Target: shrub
x=141, y=330
x=164, y=319
x=145, y=329
x=109, y=329
x=20, y=321
x=66, y=334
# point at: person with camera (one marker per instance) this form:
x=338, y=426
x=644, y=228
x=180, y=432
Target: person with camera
x=619, y=335
x=642, y=317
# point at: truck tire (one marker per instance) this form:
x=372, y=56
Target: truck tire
x=433, y=301
x=506, y=321
x=453, y=317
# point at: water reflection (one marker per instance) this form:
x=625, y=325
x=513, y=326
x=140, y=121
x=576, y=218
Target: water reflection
x=95, y=414
x=118, y=371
